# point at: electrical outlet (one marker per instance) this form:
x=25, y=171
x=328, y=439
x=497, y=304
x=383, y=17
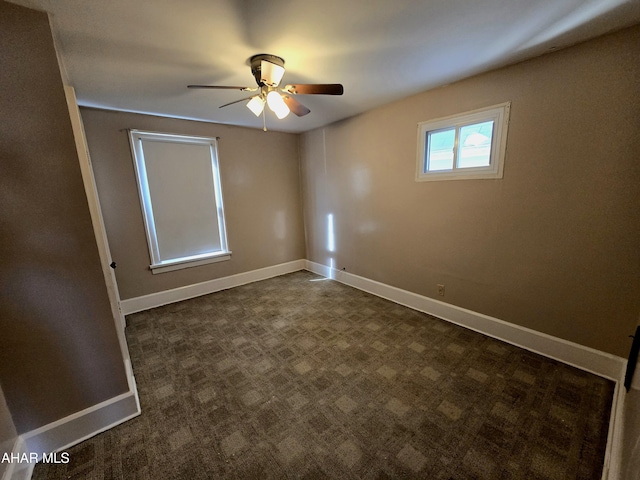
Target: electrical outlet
x=441, y=290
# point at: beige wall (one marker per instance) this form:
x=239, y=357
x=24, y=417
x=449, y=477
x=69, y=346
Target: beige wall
x=552, y=246
x=261, y=194
x=59, y=352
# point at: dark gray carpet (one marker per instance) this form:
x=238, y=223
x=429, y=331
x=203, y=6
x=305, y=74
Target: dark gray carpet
x=300, y=377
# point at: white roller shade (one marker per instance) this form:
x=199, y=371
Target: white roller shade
x=181, y=196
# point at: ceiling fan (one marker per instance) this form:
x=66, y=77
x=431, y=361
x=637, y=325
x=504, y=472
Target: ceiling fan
x=268, y=71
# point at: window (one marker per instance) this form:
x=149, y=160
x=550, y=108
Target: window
x=181, y=197
x=469, y=145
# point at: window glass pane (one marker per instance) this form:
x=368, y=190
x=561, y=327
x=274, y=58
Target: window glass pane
x=474, y=145
x=440, y=150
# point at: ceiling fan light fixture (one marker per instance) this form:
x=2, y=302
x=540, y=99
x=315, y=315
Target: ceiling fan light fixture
x=277, y=105
x=256, y=105
x=270, y=73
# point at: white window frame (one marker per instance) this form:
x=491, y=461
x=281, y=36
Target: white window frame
x=137, y=137
x=499, y=114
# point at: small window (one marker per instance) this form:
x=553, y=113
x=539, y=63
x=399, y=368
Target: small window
x=181, y=197
x=469, y=145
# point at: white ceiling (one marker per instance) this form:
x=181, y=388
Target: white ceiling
x=140, y=55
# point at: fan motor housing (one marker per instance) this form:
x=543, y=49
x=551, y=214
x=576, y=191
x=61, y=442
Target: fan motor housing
x=256, y=65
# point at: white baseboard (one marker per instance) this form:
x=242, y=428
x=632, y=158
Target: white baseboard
x=615, y=436
x=73, y=429
x=588, y=359
x=82, y=425
x=138, y=304
x=585, y=358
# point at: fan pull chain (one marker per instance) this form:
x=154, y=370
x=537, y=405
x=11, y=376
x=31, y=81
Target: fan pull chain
x=264, y=120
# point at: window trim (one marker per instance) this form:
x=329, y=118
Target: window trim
x=136, y=137
x=499, y=114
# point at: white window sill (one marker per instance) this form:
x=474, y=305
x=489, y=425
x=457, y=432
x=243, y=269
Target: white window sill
x=460, y=174
x=190, y=262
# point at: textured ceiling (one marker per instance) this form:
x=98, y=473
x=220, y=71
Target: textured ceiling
x=140, y=55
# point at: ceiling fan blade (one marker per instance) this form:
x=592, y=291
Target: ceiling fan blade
x=295, y=106
x=237, y=101
x=315, y=89
x=223, y=87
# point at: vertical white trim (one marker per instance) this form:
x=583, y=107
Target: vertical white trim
x=101, y=236
x=94, y=205
x=631, y=437
x=615, y=436
x=64, y=74
x=217, y=183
